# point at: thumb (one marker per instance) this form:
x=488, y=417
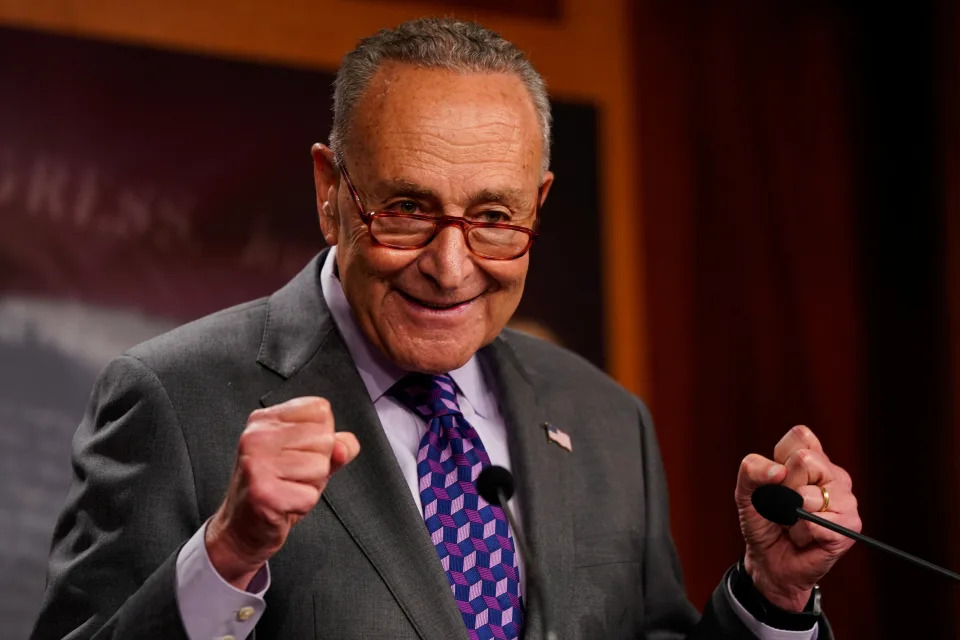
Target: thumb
x=755, y=471
x=346, y=447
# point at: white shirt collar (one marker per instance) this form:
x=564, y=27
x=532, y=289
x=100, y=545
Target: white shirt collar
x=377, y=371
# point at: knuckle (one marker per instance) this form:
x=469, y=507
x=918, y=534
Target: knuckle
x=248, y=440
x=806, y=459
x=327, y=440
x=317, y=469
x=259, y=492
x=320, y=409
x=247, y=465
x=784, y=441
x=302, y=508
x=844, y=477
x=750, y=461
x=254, y=436
x=247, y=448
x=802, y=431
x=856, y=524
x=305, y=501
x=326, y=421
x=258, y=415
x=323, y=468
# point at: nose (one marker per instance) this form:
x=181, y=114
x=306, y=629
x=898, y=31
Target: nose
x=447, y=260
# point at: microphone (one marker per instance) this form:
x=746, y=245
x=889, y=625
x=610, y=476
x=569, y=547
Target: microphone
x=783, y=506
x=495, y=485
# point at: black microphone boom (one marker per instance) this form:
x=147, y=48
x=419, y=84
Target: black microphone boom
x=783, y=505
x=495, y=485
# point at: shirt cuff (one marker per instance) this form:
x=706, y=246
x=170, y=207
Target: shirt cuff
x=210, y=607
x=762, y=631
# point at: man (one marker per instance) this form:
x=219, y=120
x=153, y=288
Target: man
x=304, y=464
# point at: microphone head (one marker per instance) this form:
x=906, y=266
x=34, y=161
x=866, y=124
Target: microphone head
x=493, y=481
x=777, y=503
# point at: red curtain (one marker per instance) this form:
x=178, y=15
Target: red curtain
x=793, y=225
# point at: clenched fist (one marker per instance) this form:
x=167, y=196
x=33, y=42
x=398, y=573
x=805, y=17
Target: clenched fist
x=785, y=563
x=286, y=455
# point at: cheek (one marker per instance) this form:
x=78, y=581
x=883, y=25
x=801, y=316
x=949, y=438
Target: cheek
x=363, y=272
x=511, y=274
x=354, y=241
x=373, y=261
x=510, y=278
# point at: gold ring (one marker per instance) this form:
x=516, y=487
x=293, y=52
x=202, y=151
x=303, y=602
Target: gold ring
x=826, y=499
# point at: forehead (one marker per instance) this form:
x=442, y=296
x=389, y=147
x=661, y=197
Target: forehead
x=447, y=123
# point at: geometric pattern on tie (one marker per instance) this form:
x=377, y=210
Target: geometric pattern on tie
x=472, y=537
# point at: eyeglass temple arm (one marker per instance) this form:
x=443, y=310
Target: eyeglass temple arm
x=342, y=167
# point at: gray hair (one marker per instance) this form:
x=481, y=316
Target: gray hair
x=443, y=43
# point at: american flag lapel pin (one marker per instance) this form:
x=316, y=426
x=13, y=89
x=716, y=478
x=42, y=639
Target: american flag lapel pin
x=557, y=436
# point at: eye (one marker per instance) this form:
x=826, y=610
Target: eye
x=404, y=206
x=493, y=215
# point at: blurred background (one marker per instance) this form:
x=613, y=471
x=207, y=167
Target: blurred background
x=754, y=225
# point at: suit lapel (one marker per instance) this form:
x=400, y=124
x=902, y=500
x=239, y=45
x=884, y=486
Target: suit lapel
x=369, y=496
x=540, y=469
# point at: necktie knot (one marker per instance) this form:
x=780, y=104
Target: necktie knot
x=426, y=395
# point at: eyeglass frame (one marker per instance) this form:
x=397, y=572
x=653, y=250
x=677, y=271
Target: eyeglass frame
x=368, y=217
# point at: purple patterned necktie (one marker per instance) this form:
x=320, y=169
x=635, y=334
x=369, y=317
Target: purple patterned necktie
x=471, y=537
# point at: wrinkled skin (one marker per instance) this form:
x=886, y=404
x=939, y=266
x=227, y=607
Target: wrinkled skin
x=785, y=563
x=433, y=141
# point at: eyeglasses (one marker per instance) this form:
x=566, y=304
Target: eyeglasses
x=490, y=240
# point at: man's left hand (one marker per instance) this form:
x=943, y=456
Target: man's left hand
x=785, y=563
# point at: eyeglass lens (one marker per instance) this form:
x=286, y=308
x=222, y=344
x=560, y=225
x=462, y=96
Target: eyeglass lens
x=412, y=232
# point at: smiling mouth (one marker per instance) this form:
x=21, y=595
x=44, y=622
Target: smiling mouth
x=437, y=306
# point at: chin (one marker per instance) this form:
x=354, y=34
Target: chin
x=431, y=357
x=426, y=363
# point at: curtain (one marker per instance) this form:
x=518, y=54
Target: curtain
x=794, y=170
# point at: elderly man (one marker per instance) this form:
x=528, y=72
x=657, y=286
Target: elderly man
x=302, y=466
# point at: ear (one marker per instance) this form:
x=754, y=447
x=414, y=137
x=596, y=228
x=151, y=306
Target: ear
x=326, y=179
x=545, y=186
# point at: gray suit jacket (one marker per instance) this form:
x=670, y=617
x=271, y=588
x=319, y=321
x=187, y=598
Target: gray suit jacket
x=154, y=453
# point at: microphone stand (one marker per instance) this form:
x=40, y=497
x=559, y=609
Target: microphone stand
x=876, y=544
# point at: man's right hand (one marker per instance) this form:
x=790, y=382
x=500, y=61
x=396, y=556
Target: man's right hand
x=286, y=455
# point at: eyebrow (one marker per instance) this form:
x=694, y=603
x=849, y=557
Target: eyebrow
x=401, y=187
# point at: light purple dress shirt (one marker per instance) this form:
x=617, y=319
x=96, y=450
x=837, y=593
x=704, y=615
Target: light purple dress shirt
x=212, y=609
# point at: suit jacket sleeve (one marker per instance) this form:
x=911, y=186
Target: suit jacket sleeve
x=667, y=608
x=132, y=504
